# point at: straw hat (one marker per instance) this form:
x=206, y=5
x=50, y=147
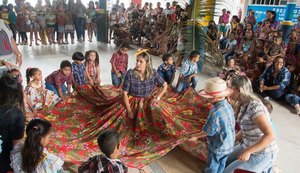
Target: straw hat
x=215, y=87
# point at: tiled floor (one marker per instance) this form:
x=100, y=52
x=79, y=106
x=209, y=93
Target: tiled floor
x=287, y=123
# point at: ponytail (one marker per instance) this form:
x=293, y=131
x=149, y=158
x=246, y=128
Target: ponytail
x=30, y=72
x=32, y=151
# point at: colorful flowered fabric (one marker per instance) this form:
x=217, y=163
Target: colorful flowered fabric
x=155, y=130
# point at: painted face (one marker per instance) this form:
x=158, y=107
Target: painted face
x=141, y=64
x=66, y=71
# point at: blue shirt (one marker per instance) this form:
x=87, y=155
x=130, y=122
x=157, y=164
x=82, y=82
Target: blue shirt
x=78, y=71
x=188, y=68
x=282, y=78
x=220, y=128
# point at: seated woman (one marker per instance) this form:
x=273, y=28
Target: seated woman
x=257, y=148
x=246, y=49
x=275, y=79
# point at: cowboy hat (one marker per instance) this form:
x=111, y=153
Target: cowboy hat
x=215, y=87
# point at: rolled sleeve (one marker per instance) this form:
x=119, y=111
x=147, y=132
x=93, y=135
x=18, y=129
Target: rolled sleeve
x=286, y=76
x=212, y=125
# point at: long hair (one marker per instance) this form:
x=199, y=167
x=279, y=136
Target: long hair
x=243, y=83
x=30, y=72
x=87, y=54
x=32, y=151
x=149, y=68
x=11, y=93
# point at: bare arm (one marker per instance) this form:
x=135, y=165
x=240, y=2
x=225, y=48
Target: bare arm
x=239, y=136
x=127, y=105
x=17, y=52
x=262, y=123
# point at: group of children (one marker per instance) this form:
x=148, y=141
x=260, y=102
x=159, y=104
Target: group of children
x=44, y=21
x=32, y=154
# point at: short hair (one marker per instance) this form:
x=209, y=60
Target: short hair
x=107, y=141
x=259, y=23
x=193, y=54
x=78, y=56
x=166, y=57
x=64, y=64
x=123, y=45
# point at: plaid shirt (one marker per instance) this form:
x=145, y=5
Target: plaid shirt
x=102, y=164
x=282, y=78
x=162, y=68
x=220, y=128
x=188, y=68
x=120, y=61
x=78, y=71
x=57, y=78
x=251, y=133
x=136, y=87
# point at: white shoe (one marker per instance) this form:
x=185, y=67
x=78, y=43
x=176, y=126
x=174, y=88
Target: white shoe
x=267, y=98
x=297, y=107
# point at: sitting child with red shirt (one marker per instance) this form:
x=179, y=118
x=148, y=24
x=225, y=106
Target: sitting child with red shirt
x=56, y=80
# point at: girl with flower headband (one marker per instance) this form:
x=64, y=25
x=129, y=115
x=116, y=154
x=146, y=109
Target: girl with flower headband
x=32, y=155
x=36, y=92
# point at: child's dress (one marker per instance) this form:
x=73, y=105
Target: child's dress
x=49, y=162
x=48, y=97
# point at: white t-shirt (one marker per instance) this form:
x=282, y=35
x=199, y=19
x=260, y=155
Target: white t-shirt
x=231, y=44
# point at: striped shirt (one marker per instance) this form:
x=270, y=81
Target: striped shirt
x=251, y=133
x=220, y=128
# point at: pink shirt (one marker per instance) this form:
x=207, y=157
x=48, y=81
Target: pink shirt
x=120, y=61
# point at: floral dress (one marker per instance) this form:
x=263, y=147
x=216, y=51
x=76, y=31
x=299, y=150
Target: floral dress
x=41, y=99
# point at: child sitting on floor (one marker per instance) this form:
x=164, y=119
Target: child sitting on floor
x=78, y=69
x=167, y=70
x=188, y=72
x=220, y=125
x=32, y=155
x=92, y=67
x=56, y=80
x=107, y=162
x=38, y=95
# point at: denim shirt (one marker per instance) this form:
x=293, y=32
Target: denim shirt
x=282, y=78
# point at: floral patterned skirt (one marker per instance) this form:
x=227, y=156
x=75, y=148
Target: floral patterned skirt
x=155, y=130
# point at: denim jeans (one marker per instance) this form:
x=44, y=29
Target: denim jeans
x=215, y=162
x=116, y=81
x=275, y=94
x=183, y=84
x=51, y=87
x=80, y=27
x=166, y=75
x=257, y=162
x=292, y=99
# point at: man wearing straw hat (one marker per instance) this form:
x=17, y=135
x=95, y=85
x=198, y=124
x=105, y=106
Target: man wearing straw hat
x=220, y=124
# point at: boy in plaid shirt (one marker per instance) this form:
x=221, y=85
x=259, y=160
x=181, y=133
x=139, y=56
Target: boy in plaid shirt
x=107, y=162
x=219, y=127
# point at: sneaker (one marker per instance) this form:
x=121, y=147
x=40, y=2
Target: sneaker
x=297, y=107
x=267, y=98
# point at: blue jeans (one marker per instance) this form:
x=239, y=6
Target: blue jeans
x=116, y=81
x=262, y=163
x=292, y=99
x=51, y=87
x=166, y=75
x=80, y=27
x=215, y=162
x=183, y=84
